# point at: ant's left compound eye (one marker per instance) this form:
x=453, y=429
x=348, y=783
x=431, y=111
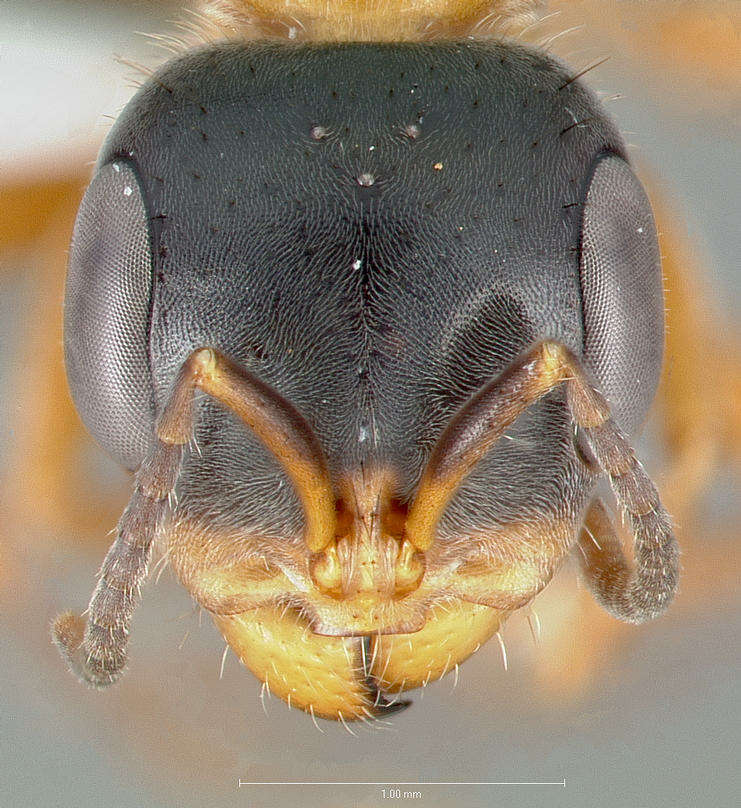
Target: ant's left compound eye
x=621, y=290
x=107, y=314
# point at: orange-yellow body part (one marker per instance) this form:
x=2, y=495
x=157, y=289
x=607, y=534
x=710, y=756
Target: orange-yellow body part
x=452, y=633
x=335, y=677
x=360, y=20
x=322, y=675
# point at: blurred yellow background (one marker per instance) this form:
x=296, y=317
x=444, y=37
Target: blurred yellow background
x=627, y=715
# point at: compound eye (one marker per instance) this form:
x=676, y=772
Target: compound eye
x=107, y=314
x=622, y=290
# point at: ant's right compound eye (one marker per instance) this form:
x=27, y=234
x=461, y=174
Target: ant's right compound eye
x=107, y=314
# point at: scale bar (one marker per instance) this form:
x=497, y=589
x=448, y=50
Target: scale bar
x=561, y=783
